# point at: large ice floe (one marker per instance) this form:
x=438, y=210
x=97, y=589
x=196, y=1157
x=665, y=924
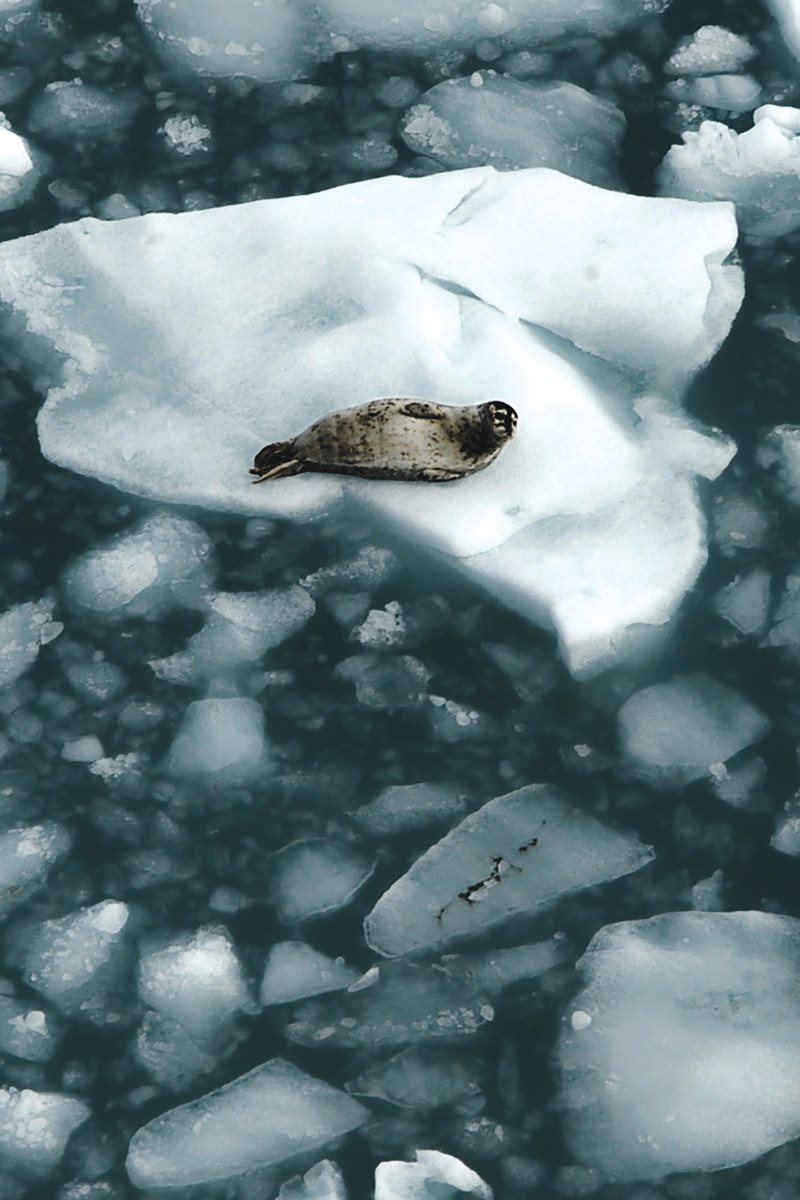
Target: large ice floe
x=272, y=40
x=224, y=329
x=682, y=1053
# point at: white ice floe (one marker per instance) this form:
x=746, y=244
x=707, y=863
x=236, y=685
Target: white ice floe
x=295, y=971
x=759, y=170
x=273, y=1113
x=18, y=174
x=710, y=50
x=448, y=288
x=27, y=856
x=80, y=962
x=691, y=1061
x=22, y=633
x=514, y=855
x=510, y=125
x=323, y=1182
x=675, y=732
x=317, y=876
x=787, y=14
x=35, y=1128
x=433, y=1173
x=162, y=563
x=219, y=740
x=196, y=980
x=272, y=40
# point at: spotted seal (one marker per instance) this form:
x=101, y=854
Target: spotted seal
x=394, y=439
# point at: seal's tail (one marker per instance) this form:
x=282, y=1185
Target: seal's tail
x=276, y=461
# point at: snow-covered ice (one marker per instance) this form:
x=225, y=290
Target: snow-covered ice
x=81, y=962
x=18, y=176
x=708, y=51
x=444, y=287
x=675, y=732
x=219, y=740
x=758, y=169
x=273, y=1113
x=491, y=119
x=196, y=980
x=433, y=1174
x=691, y=1059
x=22, y=633
x=27, y=856
x=317, y=876
x=516, y=853
x=27, y=1031
x=160, y=564
x=295, y=970
x=35, y=1128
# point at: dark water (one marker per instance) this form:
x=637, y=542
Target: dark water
x=165, y=847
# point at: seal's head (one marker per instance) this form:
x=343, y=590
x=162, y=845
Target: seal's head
x=500, y=420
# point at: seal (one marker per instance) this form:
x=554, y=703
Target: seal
x=394, y=439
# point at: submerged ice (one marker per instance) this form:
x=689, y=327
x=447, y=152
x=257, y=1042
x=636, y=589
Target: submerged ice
x=444, y=288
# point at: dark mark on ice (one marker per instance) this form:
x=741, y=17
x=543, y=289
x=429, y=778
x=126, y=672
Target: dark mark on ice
x=478, y=891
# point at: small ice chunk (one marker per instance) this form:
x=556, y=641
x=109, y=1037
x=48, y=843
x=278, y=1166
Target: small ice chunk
x=26, y=1031
x=27, y=856
x=405, y=807
x=323, y=1182
x=673, y=732
x=779, y=453
x=273, y=1113
x=160, y=564
x=71, y=109
x=786, y=838
x=383, y=628
x=515, y=854
x=186, y=134
x=220, y=740
x=385, y=681
x=494, y=970
x=759, y=170
x=787, y=14
x=396, y=1005
x=95, y=682
x=433, y=1173
x=240, y=628
x=80, y=962
x=22, y=632
x=196, y=980
x=422, y=1077
x=83, y=749
x=692, y=1058
x=708, y=51
x=744, y=786
x=510, y=125
x=295, y=970
x=18, y=175
x=317, y=876
x=35, y=1128
x=785, y=628
x=734, y=93
x=708, y=894
x=745, y=602
x=171, y=1055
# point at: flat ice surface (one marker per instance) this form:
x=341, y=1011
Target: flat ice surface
x=433, y=1174
x=35, y=1128
x=317, y=876
x=219, y=739
x=490, y=119
x=516, y=853
x=674, y=732
x=271, y=1114
x=295, y=970
x=441, y=288
x=758, y=169
x=682, y=1053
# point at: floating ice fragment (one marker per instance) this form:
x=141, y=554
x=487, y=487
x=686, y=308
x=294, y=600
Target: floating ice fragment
x=514, y=855
x=171, y=1055
x=734, y=93
x=67, y=110
x=386, y=681
x=718, y=1084
x=758, y=169
x=21, y=635
x=422, y=1077
x=35, y=1128
x=786, y=838
x=779, y=453
x=466, y=265
x=163, y=563
x=323, y=1182
x=83, y=749
x=494, y=970
x=219, y=740
x=745, y=602
x=295, y=971
x=433, y=1173
x=410, y=806
x=196, y=980
x=27, y=855
x=186, y=134
x=673, y=732
x=509, y=125
x=18, y=176
x=273, y=1113
x=708, y=51
x=317, y=876
x=26, y=1031
x=787, y=14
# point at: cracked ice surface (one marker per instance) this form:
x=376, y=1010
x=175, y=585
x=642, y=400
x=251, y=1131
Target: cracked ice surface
x=222, y=330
